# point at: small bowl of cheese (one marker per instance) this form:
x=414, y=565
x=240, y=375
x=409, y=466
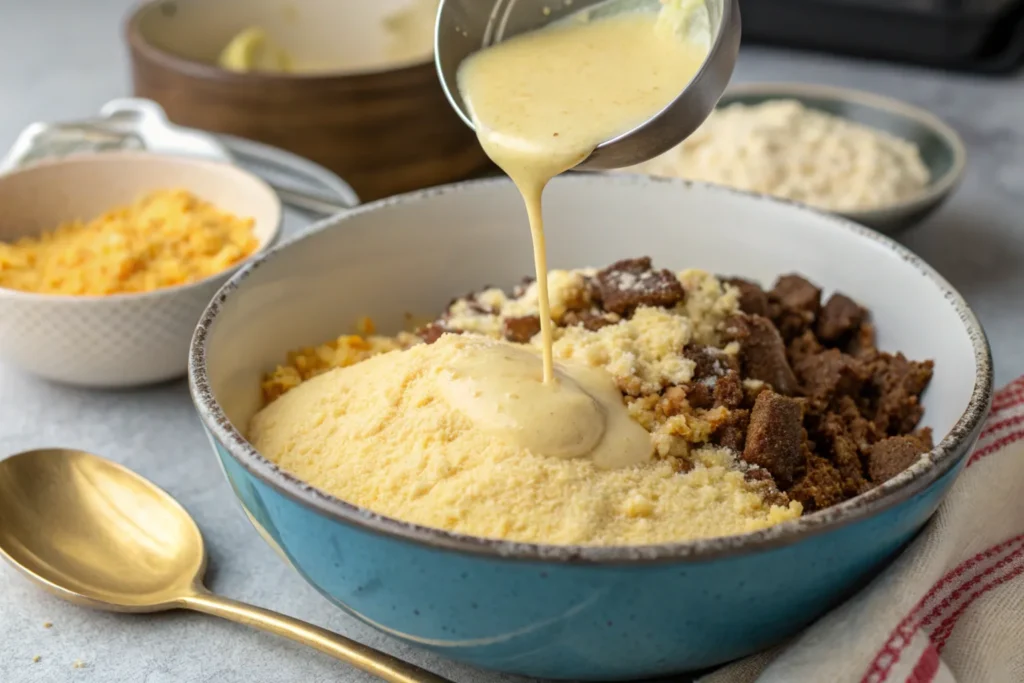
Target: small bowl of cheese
x=878, y=161
x=107, y=260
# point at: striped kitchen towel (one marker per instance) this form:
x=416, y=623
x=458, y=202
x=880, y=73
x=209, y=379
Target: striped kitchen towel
x=951, y=608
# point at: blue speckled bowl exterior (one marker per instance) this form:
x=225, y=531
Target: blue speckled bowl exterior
x=579, y=621
x=573, y=612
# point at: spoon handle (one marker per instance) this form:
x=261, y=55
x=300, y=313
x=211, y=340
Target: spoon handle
x=360, y=656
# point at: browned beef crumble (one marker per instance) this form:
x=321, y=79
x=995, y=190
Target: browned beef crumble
x=631, y=283
x=522, y=329
x=762, y=352
x=776, y=436
x=753, y=299
x=815, y=411
x=432, y=332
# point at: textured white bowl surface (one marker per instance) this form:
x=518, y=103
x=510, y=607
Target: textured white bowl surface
x=121, y=340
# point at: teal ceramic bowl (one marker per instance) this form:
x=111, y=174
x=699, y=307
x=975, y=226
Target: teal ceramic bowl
x=568, y=612
x=942, y=150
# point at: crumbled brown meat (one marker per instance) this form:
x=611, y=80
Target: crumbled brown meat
x=843, y=450
x=522, y=329
x=591, y=320
x=701, y=393
x=729, y=391
x=890, y=456
x=775, y=437
x=709, y=386
x=709, y=361
x=863, y=343
x=794, y=305
x=630, y=283
x=593, y=289
x=757, y=474
x=820, y=487
x=763, y=481
x=862, y=430
x=803, y=346
x=797, y=293
x=840, y=317
x=762, y=352
x=732, y=433
x=828, y=375
x=924, y=437
x=432, y=332
x=899, y=383
x=753, y=299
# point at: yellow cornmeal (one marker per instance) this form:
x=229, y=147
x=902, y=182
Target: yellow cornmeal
x=168, y=238
x=401, y=450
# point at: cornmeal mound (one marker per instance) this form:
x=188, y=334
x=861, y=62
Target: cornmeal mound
x=379, y=434
x=168, y=238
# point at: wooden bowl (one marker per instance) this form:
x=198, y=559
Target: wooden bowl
x=384, y=126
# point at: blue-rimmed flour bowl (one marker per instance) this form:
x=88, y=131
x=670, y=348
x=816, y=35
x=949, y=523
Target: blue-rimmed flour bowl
x=574, y=612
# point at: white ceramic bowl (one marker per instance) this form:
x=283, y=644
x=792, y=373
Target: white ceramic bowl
x=125, y=339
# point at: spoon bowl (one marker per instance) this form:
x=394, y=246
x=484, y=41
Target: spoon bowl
x=467, y=26
x=96, y=534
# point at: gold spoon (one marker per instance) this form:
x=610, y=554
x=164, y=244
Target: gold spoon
x=99, y=535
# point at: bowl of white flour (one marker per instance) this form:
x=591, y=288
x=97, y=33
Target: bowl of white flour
x=878, y=161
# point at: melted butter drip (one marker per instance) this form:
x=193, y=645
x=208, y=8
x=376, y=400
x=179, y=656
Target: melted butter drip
x=541, y=102
x=579, y=413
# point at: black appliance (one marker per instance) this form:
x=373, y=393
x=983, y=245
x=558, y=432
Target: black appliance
x=974, y=35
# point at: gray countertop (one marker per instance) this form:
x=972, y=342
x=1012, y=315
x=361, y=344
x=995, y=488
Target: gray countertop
x=65, y=59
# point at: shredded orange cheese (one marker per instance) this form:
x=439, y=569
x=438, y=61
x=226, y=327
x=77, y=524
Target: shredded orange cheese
x=168, y=238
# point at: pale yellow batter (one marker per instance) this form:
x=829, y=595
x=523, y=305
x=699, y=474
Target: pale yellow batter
x=380, y=434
